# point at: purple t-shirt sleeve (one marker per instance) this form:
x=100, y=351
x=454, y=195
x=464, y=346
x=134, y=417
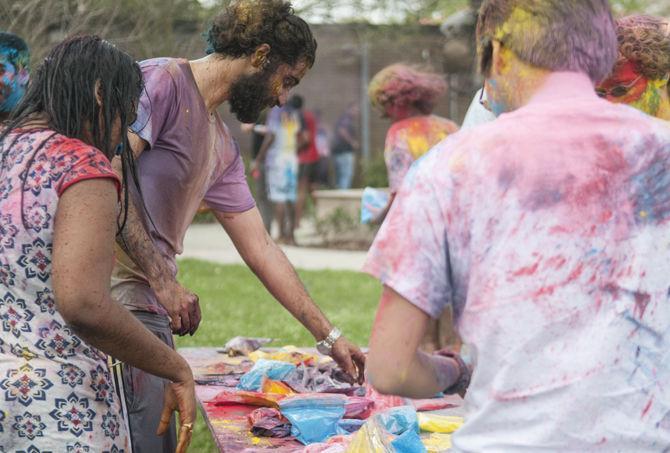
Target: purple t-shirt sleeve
x=158, y=103
x=230, y=192
x=410, y=252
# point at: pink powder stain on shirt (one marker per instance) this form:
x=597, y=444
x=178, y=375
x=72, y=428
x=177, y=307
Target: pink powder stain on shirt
x=645, y=411
x=641, y=302
x=526, y=271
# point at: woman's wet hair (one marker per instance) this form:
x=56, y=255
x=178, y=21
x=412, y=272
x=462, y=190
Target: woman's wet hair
x=81, y=88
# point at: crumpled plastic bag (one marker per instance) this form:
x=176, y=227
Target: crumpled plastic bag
x=358, y=407
x=383, y=402
x=434, y=423
x=349, y=425
x=399, y=419
x=229, y=398
x=408, y=442
x=373, y=203
x=314, y=418
x=324, y=378
x=336, y=444
x=244, y=345
x=269, y=422
x=289, y=354
x=270, y=369
x=393, y=431
x=437, y=403
x=437, y=443
x=276, y=387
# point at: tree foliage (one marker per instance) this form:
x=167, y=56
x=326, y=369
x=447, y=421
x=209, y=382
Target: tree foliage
x=173, y=27
x=431, y=10
x=143, y=27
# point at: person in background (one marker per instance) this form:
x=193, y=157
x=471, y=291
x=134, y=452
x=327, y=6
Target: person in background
x=641, y=73
x=408, y=96
x=59, y=200
x=308, y=158
x=279, y=157
x=547, y=231
x=345, y=146
x=14, y=72
x=258, y=51
x=258, y=131
x=323, y=148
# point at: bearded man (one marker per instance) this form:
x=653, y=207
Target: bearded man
x=258, y=51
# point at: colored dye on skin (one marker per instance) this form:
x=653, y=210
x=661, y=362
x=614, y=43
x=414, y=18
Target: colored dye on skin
x=13, y=77
x=627, y=79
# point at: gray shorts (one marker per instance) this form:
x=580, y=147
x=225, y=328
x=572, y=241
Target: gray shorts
x=144, y=396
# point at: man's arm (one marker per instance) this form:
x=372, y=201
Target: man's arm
x=396, y=365
x=182, y=305
x=274, y=270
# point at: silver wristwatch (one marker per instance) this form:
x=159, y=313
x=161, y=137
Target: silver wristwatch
x=325, y=346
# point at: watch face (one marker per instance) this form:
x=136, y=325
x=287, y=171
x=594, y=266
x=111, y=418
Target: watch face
x=323, y=349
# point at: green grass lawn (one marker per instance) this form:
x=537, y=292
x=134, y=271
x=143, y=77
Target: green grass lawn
x=234, y=302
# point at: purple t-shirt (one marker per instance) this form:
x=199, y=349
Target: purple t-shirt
x=190, y=157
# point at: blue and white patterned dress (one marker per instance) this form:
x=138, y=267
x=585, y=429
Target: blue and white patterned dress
x=56, y=392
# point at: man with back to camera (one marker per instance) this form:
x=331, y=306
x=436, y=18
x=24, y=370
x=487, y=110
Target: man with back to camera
x=547, y=231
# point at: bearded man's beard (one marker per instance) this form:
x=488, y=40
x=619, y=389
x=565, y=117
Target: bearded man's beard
x=250, y=95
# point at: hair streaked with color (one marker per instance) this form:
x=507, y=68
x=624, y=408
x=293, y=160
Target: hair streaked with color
x=14, y=71
x=84, y=85
x=246, y=24
x=645, y=41
x=402, y=84
x=557, y=35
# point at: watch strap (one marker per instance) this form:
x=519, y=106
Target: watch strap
x=464, y=374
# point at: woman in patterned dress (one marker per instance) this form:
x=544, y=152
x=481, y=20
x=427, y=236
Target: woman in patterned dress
x=58, y=219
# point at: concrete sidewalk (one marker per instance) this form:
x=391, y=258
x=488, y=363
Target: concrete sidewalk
x=210, y=242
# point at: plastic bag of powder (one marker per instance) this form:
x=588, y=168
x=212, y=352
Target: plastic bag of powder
x=373, y=203
x=393, y=431
x=270, y=369
x=314, y=418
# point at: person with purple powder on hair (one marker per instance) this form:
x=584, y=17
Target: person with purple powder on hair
x=14, y=72
x=547, y=231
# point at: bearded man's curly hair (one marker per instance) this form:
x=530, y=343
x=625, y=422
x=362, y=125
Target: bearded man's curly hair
x=246, y=24
x=645, y=41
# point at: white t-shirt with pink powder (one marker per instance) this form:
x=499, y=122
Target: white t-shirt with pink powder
x=548, y=231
